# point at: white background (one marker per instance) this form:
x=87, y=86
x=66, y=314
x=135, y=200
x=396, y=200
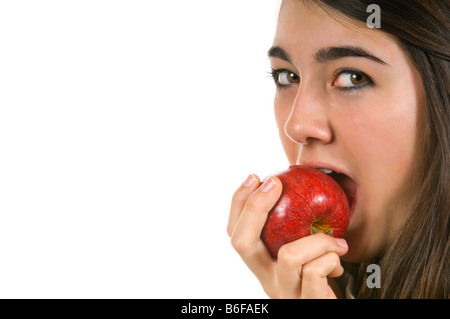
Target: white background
x=125, y=128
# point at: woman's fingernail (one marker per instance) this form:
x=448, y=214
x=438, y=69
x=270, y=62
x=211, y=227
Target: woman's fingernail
x=249, y=181
x=268, y=185
x=341, y=242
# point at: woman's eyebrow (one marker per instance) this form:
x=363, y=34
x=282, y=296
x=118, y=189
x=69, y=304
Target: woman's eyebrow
x=333, y=53
x=277, y=52
x=327, y=54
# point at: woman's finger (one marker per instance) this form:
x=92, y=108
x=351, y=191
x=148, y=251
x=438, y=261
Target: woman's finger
x=303, y=250
x=246, y=236
x=251, y=221
x=294, y=255
x=288, y=275
x=239, y=198
x=314, y=281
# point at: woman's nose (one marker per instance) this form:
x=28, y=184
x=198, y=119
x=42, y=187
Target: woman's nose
x=308, y=121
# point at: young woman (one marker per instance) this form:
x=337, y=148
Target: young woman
x=374, y=105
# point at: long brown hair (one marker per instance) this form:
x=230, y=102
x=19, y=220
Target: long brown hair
x=416, y=263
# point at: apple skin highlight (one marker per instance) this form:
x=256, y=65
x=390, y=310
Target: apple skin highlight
x=311, y=202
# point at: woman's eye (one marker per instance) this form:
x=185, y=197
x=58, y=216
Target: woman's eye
x=351, y=79
x=284, y=77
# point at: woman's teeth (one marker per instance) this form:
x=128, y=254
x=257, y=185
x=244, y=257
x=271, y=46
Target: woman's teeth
x=325, y=170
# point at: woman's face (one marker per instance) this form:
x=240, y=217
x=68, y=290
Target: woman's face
x=348, y=99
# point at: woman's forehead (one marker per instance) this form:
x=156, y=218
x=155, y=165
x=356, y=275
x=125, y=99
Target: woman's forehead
x=305, y=28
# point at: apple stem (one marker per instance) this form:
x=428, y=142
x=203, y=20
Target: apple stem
x=317, y=228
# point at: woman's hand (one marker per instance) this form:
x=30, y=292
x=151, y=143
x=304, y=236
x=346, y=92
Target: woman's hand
x=303, y=266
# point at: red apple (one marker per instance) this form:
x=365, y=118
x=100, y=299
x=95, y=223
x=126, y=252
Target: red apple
x=311, y=202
